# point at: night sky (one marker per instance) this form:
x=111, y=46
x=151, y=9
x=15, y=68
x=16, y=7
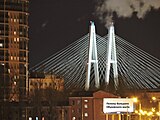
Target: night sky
x=54, y=24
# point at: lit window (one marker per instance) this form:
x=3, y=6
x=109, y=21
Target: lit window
x=85, y=106
x=1, y=44
x=15, y=83
x=14, y=39
x=14, y=20
x=9, y=70
x=14, y=32
x=17, y=39
x=85, y=100
x=11, y=57
x=86, y=114
x=73, y=118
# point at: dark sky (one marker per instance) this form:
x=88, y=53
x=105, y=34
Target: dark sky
x=54, y=24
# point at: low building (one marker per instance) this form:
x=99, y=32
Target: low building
x=88, y=106
x=48, y=81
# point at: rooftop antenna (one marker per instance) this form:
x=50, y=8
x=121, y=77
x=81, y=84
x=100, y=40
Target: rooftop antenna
x=92, y=57
x=111, y=56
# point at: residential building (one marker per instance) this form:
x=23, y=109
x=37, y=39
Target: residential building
x=13, y=49
x=13, y=56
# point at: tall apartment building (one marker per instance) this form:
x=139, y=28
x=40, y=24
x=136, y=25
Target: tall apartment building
x=13, y=49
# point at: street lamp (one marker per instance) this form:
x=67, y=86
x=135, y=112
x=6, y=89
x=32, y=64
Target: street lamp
x=154, y=98
x=135, y=100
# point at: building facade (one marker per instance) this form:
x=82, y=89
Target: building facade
x=13, y=48
x=90, y=107
x=52, y=82
x=13, y=55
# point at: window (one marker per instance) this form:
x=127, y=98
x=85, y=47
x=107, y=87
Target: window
x=1, y=44
x=86, y=114
x=15, y=83
x=20, y=33
x=11, y=57
x=15, y=33
x=73, y=118
x=85, y=106
x=15, y=39
x=9, y=70
x=14, y=58
x=15, y=20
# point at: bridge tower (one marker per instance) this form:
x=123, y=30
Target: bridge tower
x=111, y=57
x=92, y=58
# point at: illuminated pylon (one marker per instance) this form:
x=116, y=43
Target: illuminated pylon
x=92, y=58
x=111, y=56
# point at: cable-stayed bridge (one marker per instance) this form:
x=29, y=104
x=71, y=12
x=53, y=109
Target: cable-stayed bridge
x=136, y=68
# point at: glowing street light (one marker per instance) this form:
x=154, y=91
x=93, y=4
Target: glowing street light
x=153, y=98
x=135, y=100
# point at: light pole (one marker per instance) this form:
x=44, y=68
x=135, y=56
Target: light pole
x=135, y=100
x=140, y=108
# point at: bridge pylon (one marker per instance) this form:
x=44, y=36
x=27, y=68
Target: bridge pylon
x=92, y=58
x=111, y=57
